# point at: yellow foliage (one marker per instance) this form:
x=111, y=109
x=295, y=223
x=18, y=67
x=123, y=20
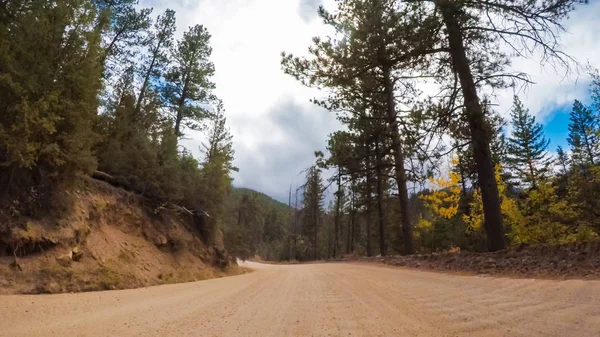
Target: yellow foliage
x=510, y=210
x=540, y=219
x=422, y=226
x=546, y=219
x=474, y=219
x=445, y=196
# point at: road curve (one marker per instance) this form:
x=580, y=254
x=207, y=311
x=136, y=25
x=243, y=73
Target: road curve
x=317, y=300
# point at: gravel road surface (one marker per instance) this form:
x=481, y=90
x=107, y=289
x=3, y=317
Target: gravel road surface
x=345, y=299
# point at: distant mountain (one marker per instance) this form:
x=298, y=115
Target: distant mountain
x=264, y=203
x=237, y=193
x=254, y=223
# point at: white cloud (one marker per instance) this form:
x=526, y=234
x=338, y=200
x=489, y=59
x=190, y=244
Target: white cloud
x=273, y=144
x=248, y=37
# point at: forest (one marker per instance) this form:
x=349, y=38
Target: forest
x=94, y=87
x=421, y=173
x=103, y=88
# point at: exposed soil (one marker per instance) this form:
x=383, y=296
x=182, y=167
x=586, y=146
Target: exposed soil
x=324, y=299
x=567, y=261
x=109, y=239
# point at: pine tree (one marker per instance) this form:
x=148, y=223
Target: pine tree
x=466, y=166
x=155, y=61
x=595, y=89
x=216, y=169
x=562, y=160
x=584, y=135
x=365, y=56
x=220, y=144
x=312, y=206
x=50, y=80
x=527, y=147
x=188, y=86
x=461, y=44
x=127, y=26
x=339, y=148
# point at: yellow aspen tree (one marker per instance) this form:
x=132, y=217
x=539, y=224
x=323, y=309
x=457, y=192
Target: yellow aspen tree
x=445, y=195
x=510, y=212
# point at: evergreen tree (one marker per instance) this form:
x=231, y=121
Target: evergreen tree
x=217, y=168
x=459, y=44
x=562, y=159
x=126, y=31
x=466, y=166
x=339, y=148
x=126, y=149
x=312, y=203
x=527, y=146
x=188, y=86
x=365, y=57
x=584, y=135
x=49, y=84
x=220, y=142
x=155, y=61
x=595, y=89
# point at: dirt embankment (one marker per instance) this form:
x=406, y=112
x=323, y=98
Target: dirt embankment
x=108, y=239
x=580, y=260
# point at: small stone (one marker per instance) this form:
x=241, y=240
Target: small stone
x=76, y=254
x=65, y=259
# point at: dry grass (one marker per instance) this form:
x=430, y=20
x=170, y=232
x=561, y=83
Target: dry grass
x=53, y=279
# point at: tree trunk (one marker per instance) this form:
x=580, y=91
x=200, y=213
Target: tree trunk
x=180, y=106
x=178, y=124
x=477, y=124
x=532, y=173
x=138, y=103
x=155, y=52
x=329, y=241
x=108, y=49
x=295, y=224
x=352, y=221
x=589, y=150
x=353, y=227
x=349, y=233
x=291, y=224
x=382, y=247
x=316, y=220
x=407, y=230
x=336, y=243
x=368, y=201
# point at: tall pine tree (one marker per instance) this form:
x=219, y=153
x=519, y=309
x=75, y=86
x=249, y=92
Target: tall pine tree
x=584, y=135
x=562, y=159
x=155, y=61
x=313, y=206
x=217, y=167
x=527, y=148
x=127, y=28
x=188, y=84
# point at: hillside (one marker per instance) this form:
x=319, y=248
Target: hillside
x=108, y=239
x=237, y=193
x=255, y=224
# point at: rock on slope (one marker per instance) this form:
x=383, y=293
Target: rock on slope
x=108, y=239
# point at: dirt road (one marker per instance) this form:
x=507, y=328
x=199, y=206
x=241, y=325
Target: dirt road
x=317, y=300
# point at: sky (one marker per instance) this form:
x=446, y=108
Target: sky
x=274, y=126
